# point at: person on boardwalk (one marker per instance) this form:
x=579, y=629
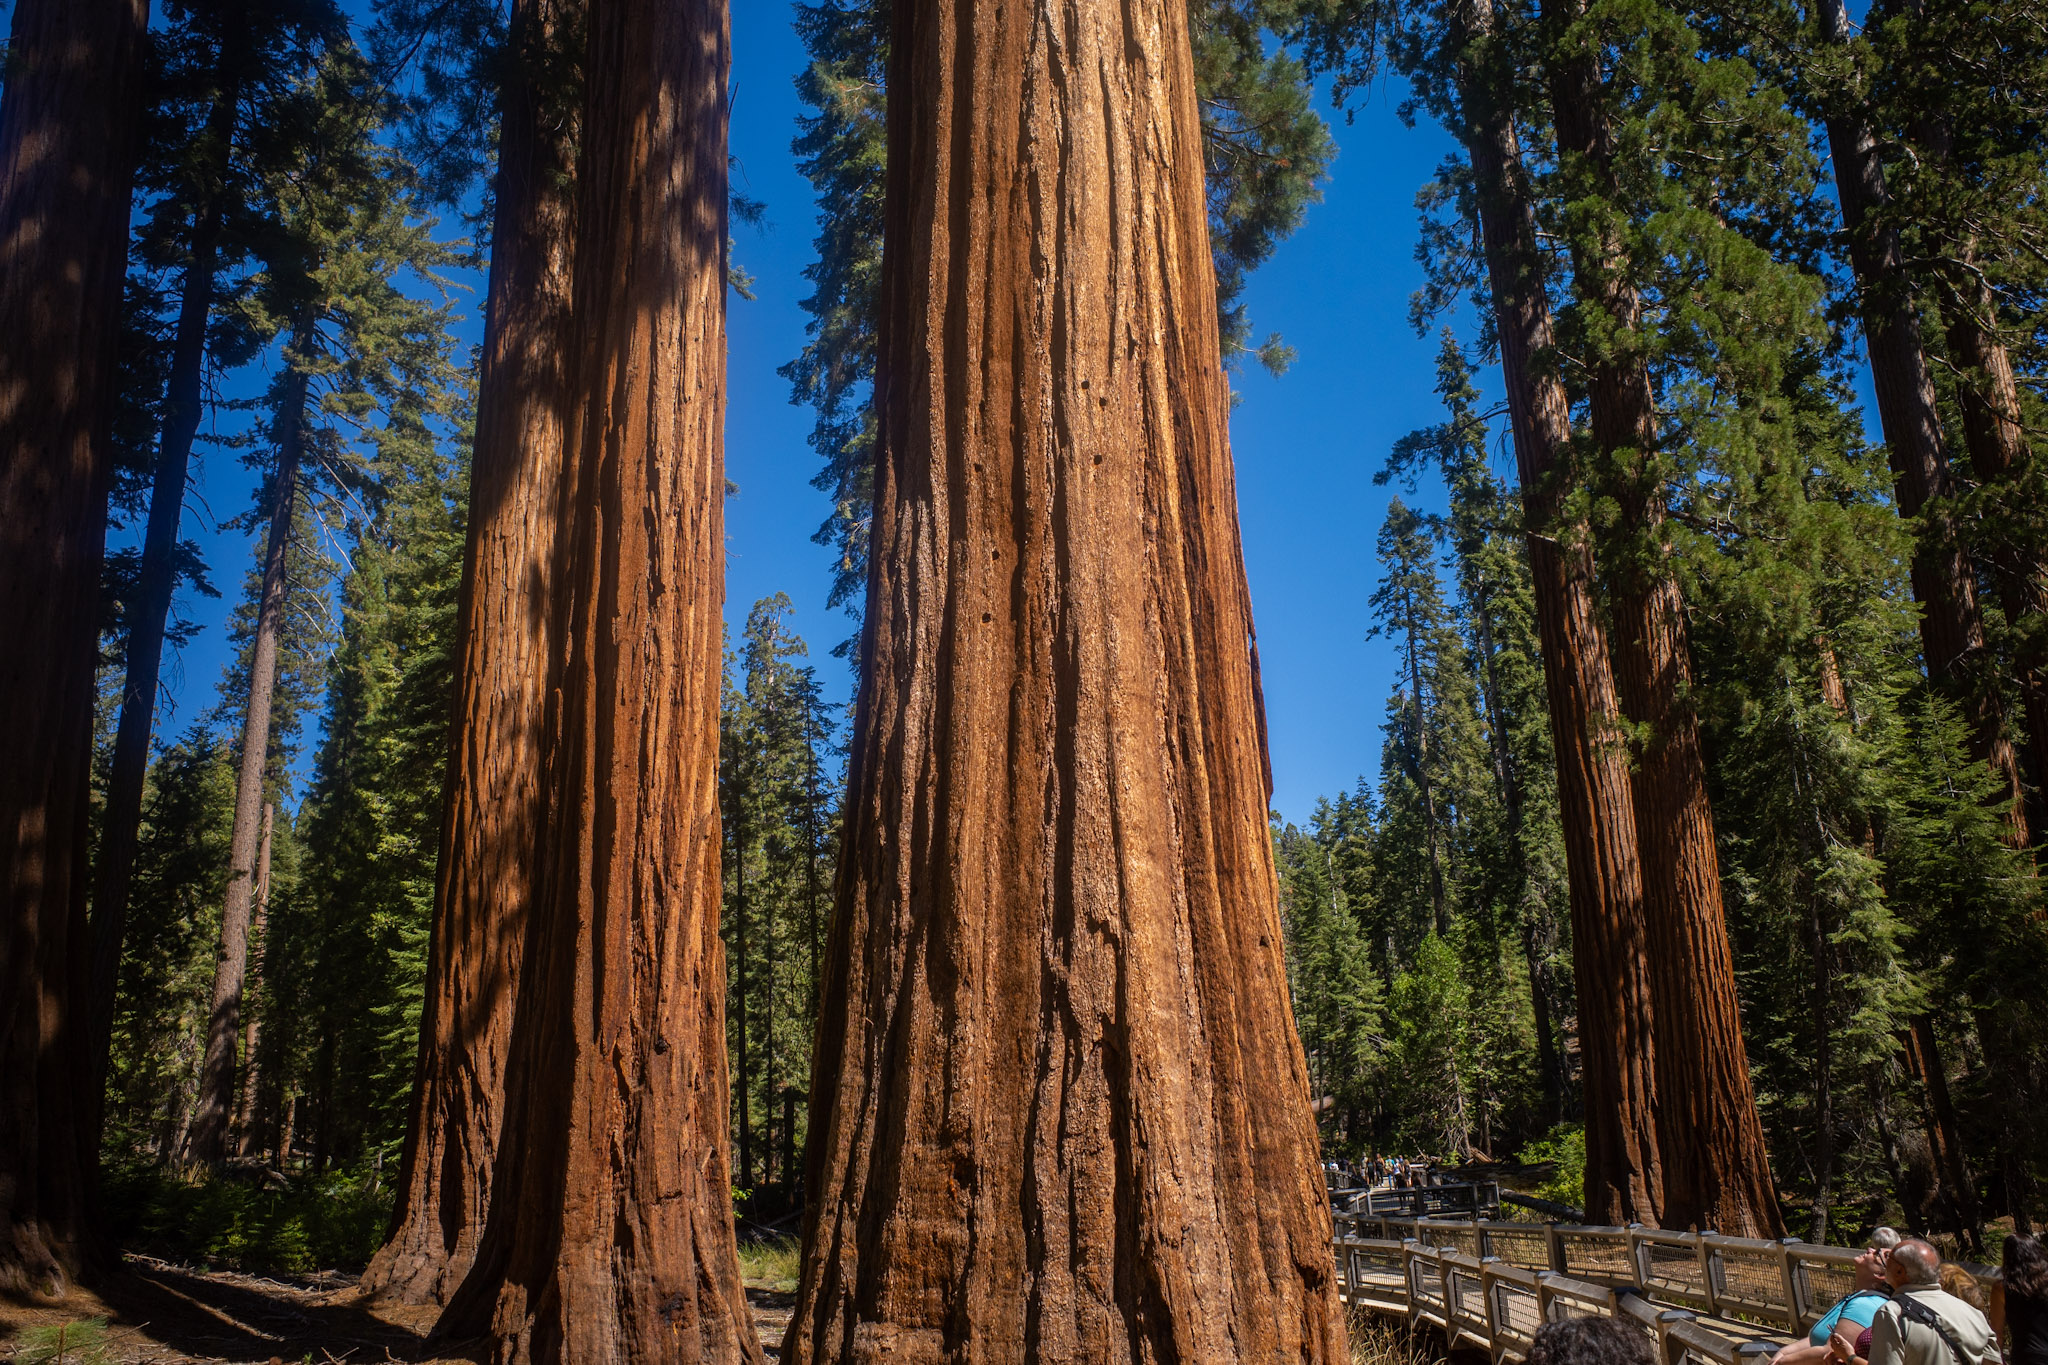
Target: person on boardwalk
x=1924, y=1324
x=1851, y=1313
x=1590, y=1341
x=2023, y=1289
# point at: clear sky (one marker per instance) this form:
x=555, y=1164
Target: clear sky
x=1307, y=443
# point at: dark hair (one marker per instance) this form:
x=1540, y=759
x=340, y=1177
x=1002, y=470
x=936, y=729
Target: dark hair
x=2026, y=1270
x=1590, y=1341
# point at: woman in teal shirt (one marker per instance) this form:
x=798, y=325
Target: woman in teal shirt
x=1852, y=1313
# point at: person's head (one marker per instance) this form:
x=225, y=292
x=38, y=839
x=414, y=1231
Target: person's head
x=1963, y=1285
x=1870, y=1268
x=1884, y=1239
x=1590, y=1341
x=2025, y=1265
x=1912, y=1264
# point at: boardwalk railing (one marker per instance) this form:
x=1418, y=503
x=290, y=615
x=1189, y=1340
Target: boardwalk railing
x=1699, y=1297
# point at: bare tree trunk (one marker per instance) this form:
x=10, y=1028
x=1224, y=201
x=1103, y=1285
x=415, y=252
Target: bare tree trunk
x=494, y=800
x=1944, y=1134
x=1995, y=435
x=207, y=1143
x=1716, y=1167
x=610, y=1231
x=247, y=1144
x=184, y=404
x=1951, y=623
x=1059, y=1109
x=1624, y=1175
x=67, y=157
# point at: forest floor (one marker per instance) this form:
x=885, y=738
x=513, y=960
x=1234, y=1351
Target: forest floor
x=156, y=1313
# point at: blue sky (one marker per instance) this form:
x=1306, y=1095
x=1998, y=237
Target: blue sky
x=1307, y=443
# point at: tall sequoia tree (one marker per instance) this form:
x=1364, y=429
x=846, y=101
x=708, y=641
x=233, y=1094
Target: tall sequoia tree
x=610, y=1233
x=1059, y=1110
x=67, y=158
x=1464, y=69
x=1716, y=1170
x=493, y=799
x=1944, y=583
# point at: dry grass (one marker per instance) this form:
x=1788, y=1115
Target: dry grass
x=769, y=1264
x=1377, y=1340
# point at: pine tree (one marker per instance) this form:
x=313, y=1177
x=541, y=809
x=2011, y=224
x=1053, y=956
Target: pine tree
x=226, y=64
x=352, y=340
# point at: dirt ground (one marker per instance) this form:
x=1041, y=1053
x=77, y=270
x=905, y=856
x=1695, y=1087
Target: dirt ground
x=156, y=1313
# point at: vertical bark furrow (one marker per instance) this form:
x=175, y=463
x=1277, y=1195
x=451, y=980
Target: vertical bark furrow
x=1058, y=1107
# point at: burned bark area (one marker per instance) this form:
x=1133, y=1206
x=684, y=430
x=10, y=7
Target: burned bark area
x=1624, y=1176
x=1059, y=1108
x=68, y=129
x=508, y=650
x=610, y=1231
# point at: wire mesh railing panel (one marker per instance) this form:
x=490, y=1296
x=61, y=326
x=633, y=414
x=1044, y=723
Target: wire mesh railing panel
x=1751, y=1280
x=1598, y=1256
x=1424, y=1285
x=1823, y=1284
x=1516, y=1314
x=1452, y=1237
x=1468, y=1299
x=1673, y=1270
x=1527, y=1247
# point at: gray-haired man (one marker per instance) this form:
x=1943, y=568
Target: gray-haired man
x=1923, y=1324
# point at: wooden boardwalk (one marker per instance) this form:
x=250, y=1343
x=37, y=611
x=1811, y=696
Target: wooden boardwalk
x=1489, y=1285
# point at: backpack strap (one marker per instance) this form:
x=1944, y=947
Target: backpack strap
x=1912, y=1310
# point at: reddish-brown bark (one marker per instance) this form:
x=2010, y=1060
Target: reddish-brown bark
x=491, y=817
x=1059, y=1111
x=214, y=1104
x=1951, y=622
x=610, y=1230
x=1624, y=1174
x=1717, y=1172
x=67, y=154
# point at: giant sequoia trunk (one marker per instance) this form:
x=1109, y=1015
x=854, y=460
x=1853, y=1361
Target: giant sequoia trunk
x=1717, y=1172
x=67, y=155
x=1951, y=622
x=1624, y=1176
x=207, y=1143
x=610, y=1231
x=184, y=404
x=1059, y=1111
x=491, y=816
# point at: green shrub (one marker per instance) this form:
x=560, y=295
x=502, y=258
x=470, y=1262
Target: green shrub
x=237, y=1221
x=1563, y=1149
